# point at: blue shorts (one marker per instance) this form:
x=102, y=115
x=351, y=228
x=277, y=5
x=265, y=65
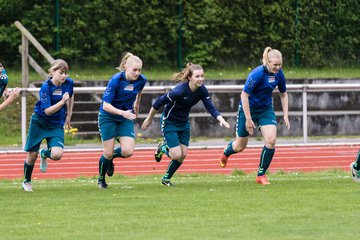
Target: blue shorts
x=261, y=117
x=40, y=129
x=175, y=133
x=111, y=128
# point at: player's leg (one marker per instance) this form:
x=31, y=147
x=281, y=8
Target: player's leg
x=108, y=131
x=28, y=169
x=105, y=161
x=178, y=142
x=162, y=146
x=54, y=151
x=240, y=142
x=355, y=169
x=267, y=154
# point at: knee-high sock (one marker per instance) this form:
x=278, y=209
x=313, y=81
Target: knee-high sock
x=357, y=163
x=165, y=149
x=46, y=153
x=229, y=149
x=28, y=169
x=117, y=153
x=265, y=160
x=103, y=167
x=173, y=166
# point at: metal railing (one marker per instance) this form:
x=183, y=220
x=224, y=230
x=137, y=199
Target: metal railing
x=303, y=88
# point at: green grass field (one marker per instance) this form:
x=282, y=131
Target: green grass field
x=319, y=205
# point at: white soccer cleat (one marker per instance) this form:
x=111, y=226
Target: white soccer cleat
x=355, y=174
x=43, y=162
x=27, y=186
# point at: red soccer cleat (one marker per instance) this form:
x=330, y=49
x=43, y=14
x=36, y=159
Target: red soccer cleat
x=262, y=180
x=223, y=160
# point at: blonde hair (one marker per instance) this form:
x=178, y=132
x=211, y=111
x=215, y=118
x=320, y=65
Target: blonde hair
x=58, y=64
x=270, y=53
x=127, y=57
x=186, y=73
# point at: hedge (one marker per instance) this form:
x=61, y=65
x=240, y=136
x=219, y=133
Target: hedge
x=213, y=32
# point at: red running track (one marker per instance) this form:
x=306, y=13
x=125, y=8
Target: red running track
x=85, y=163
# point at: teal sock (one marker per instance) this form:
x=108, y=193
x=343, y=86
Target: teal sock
x=165, y=149
x=229, y=149
x=117, y=153
x=103, y=167
x=265, y=160
x=173, y=166
x=46, y=153
x=357, y=163
x=28, y=169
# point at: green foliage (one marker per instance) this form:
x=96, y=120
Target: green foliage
x=214, y=32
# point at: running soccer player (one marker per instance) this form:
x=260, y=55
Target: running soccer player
x=51, y=112
x=256, y=108
x=174, y=122
x=119, y=108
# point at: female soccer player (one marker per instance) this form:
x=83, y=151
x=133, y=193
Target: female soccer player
x=256, y=108
x=119, y=108
x=174, y=122
x=51, y=112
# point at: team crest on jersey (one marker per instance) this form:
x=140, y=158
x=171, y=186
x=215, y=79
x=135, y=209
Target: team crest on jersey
x=57, y=92
x=271, y=79
x=129, y=87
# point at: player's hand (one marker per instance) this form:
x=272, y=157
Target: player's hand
x=224, y=123
x=13, y=94
x=250, y=126
x=128, y=115
x=65, y=97
x=146, y=124
x=287, y=122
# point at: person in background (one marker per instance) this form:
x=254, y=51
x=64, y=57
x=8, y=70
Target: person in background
x=174, y=123
x=8, y=96
x=51, y=113
x=256, y=108
x=3, y=82
x=120, y=106
x=355, y=168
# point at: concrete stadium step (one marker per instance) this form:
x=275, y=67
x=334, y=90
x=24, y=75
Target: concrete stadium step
x=84, y=115
x=86, y=126
x=80, y=106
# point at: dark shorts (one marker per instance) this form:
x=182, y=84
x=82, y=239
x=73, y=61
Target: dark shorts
x=175, y=133
x=39, y=129
x=111, y=128
x=261, y=117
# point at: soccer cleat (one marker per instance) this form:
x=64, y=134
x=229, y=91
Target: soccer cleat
x=262, y=180
x=27, y=186
x=158, y=153
x=111, y=169
x=355, y=174
x=166, y=182
x=223, y=160
x=43, y=162
x=102, y=184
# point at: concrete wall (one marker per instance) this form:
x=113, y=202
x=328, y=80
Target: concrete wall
x=338, y=123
